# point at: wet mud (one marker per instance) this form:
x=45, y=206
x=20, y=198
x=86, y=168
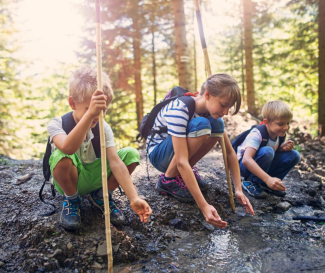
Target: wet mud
x=176, y=239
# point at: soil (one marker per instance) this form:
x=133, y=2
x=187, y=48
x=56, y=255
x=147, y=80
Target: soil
x=33, y=243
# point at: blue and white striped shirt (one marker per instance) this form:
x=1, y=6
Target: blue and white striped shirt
x=175, y=116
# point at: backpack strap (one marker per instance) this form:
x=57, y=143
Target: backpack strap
x=190, y=103
x=68, y=124
x=264, y=133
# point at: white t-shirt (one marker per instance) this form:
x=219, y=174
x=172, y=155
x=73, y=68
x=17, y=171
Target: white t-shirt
x=254, y=140
x=86, y=152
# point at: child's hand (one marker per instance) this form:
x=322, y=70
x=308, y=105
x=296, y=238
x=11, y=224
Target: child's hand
x=288, y=146
x=141, y=208
x=275, y=184
x=212, y=217
x=245, y=202
x=98, y=103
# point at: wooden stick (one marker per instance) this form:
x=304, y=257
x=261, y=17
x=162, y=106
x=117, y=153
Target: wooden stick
x=208, y=68
x=102, y=143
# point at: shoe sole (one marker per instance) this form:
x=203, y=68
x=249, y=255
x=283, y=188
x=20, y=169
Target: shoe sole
x=182, y=199
x=257, y=197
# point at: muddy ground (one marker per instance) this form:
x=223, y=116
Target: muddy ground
x=32, y=243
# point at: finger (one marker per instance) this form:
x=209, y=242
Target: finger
x=249, y=207
x=141, y=217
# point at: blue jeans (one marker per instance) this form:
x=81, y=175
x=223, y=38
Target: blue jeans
x=275, y=164
x=163, y=153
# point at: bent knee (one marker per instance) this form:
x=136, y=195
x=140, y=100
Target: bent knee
x=267, y=152
x=64, y=165
x=199, y=126
x=131, y=154
x=218, y=127
x=295, y=157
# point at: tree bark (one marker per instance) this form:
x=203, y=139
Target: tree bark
x=321, y=68
x=182, y=57
x=137, y=63
x=153, y=55
x=248, y=37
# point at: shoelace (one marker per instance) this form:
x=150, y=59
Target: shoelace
x=112, y=207
x=73, y=207
x=196, y=172
x=180, y=181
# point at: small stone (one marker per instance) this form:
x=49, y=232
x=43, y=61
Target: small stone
x=102, y=249
x=70, y=246
x=96, y=266
x=283, y=206
x=115, y=247
x=320, y=172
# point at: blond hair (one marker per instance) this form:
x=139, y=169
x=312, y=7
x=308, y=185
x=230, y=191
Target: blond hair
x=83, y=84
x=222, y=84
x=277, y=109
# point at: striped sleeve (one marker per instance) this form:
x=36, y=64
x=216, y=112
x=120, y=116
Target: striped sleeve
x=176, y=115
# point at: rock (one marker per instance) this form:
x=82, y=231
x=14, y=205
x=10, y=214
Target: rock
x=102, y=249
x=24, y=179
x=178, y=223
x=116, y=247
x=283, y=206
x=208, y=226
x=320, y=172
x=96, y=266
x=57, y=253
x=311, y=192
x=313, y=184
x=69, y=246
x=1, y=264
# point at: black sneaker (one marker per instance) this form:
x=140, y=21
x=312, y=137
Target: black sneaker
x=274, y=192
x=116, y=216
x=175, y=187
x=70, y=215
x=202, y=183
x=253, y=189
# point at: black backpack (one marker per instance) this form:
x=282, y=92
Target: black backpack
x=149, y=119
x=265, y=137
x=68, y=124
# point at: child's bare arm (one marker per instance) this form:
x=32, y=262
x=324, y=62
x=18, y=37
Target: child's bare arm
x=235, y=174
x=123, y=177
x=70, y=143
x=248, y=161
x=183, y=166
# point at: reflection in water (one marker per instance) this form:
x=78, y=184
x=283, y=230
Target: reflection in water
x=267, y=243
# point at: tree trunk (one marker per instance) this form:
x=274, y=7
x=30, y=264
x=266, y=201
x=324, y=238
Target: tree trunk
x=321, y=68
x=153, y=54
x=182, y=56
x=250, y=94
x=242, y=56
x=137, y=63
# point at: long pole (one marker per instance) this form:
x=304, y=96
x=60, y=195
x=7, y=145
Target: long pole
x=102, y=143
x=208, y=68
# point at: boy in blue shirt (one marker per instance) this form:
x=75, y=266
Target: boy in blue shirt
x=263, y=168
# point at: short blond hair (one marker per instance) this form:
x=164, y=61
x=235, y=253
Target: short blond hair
x=83, y=84
x=277, y=109
x=223, y=84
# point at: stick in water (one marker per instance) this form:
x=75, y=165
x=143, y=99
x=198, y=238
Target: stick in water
x=102, y=143
x=208, y=68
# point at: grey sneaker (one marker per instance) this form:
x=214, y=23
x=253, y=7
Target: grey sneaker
x=253, y=189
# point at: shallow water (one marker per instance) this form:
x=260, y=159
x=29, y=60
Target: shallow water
x=268, y=243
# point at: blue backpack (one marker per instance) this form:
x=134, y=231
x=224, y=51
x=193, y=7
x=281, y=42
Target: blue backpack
x=265, y=137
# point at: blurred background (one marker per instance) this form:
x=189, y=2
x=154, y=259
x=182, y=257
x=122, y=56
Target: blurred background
x=274, y=49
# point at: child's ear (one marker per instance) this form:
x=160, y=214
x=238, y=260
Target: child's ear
x=207, y=95
x=265, y=121
x=72, y=103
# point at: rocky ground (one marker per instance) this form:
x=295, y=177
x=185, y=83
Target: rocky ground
x=33, y=243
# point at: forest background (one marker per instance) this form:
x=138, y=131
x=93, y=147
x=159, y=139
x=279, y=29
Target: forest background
x=274, y=49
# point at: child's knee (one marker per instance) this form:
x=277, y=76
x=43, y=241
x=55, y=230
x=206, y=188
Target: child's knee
x=267, y=152
x=295, y=157
x=199, y=126
x=131, y=155
x=218, y=127
x=64, y=165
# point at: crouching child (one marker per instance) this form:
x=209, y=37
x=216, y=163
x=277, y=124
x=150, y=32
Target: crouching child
x=75, y=167
x=265, y=158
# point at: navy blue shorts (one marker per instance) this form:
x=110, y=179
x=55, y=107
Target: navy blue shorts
x=163, y=153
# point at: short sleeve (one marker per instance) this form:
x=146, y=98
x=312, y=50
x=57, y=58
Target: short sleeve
x=176, y=115
x=109, y=137
x=54, y=127
x=253, y=139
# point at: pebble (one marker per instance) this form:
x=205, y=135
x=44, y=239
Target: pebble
x=283, y=206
